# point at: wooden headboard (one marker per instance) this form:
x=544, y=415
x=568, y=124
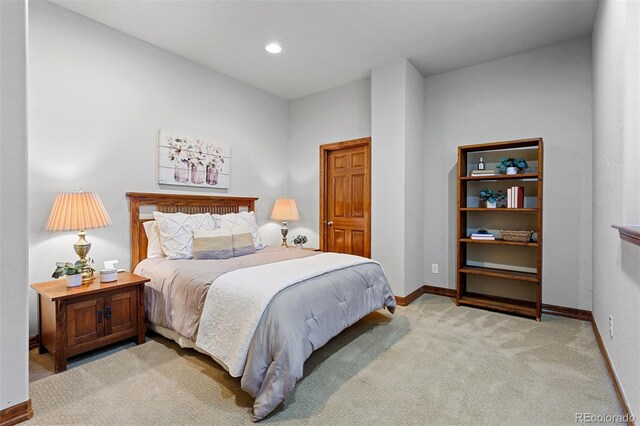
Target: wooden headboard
x=173, y=203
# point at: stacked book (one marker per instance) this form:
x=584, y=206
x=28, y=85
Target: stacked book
x=515, y=197
x=482, y=172
x=482, y=236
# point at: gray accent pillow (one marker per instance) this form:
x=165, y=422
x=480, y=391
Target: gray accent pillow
x=216, y=244
x=243, y=243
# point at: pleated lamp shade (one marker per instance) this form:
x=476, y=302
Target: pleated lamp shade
x=78, y=211
x=285, y=209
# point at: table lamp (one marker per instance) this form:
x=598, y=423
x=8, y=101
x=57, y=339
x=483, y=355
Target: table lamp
x=285, y=209
x=78, y=211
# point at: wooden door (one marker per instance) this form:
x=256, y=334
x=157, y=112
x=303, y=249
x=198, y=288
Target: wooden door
x=85, y=321
x=345, y=219
x=121, y=312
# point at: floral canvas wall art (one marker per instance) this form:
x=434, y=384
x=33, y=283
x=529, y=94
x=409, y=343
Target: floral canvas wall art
x=192, y=161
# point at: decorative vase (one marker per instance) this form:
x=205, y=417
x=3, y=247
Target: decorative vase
x=212, y=175
x=512, y=170
x=491, y=205
x=74, y=280
x=197, y=174
x=181, y=173
x=299, y=246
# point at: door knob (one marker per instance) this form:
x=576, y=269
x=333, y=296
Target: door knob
x=330, y=223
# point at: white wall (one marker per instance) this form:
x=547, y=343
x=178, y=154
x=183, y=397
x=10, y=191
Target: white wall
x=387, y=170
x=97, y=100
x=414, y=179
x=546, y=93
x=14, y=367
x=616, y=143
x=397, y=125
x=335, y=115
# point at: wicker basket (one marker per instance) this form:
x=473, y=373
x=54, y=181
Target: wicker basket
x=520, y=236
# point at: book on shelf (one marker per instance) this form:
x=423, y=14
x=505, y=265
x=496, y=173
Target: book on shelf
x=482, y=173
x=476, y=236
x=519, y=197
x=515, y=197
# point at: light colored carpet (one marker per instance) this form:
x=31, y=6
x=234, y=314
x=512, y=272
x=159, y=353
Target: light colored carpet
x=430, y=363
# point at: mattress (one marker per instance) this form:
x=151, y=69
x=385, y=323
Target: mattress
x=175, y=296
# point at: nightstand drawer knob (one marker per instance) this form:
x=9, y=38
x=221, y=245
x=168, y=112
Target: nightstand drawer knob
x=107, y=312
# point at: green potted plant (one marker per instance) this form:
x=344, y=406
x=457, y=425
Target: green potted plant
x=73, y=272
x=491, y=198
x=299, y=241
x=512, y=165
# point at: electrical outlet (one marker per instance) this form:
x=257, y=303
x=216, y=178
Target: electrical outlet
x=434, y=268
x=611, y=326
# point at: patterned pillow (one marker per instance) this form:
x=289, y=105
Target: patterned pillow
x=176, y=232
x=242, y=240
x=154, y=248
x=232, y=220
x=216, y=244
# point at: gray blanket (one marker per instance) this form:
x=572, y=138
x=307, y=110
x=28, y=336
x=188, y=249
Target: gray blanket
x=299, y=319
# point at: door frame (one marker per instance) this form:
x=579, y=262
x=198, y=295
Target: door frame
x=324, y=163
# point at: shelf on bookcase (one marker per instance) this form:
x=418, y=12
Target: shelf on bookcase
x=499, y=273
x=500, y=242
x=502, y=304
x=520, y=176
x=498, y=209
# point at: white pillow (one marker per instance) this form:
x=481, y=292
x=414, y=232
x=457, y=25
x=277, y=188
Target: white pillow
x=154, y=248
x=176, y=232
x=232, y=220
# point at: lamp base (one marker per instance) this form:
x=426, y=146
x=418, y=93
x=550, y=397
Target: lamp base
x=82, y=247
x=88, y=276
x=284, y=230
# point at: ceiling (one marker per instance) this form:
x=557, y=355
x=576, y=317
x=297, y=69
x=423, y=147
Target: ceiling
x=327, y=44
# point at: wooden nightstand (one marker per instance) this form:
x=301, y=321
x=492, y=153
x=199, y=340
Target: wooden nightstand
x=79, y=319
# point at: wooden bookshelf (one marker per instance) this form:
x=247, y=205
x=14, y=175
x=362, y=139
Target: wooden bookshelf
x=530, y=217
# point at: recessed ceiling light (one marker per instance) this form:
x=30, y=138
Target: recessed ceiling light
x=273, y=48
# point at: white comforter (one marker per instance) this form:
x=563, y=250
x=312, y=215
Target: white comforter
x=236, y=301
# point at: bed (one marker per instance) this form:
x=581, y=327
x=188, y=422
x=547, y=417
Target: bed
x=260, y=316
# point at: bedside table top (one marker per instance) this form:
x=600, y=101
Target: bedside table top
x=57, y=289
x=304, y=248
